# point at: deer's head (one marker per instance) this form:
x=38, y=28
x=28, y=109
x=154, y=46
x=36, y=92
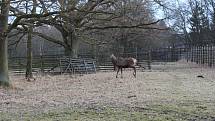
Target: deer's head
x=113, y=56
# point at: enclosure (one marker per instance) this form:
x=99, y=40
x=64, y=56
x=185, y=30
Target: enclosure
x=55, y=60
x=171, y=84
x=177, y=86
x=170, y=91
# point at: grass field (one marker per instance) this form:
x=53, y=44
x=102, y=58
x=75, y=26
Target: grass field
x=161, y=94
x=149, y=113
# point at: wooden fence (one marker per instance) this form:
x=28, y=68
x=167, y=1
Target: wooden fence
x=42, y=64
x=53, y=64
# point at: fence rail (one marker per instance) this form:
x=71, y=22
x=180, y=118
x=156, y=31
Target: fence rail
x=53, y=64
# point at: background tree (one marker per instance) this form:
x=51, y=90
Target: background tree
x=87, y=16
x=199, y=23
x=29, y=73
x=192, y=19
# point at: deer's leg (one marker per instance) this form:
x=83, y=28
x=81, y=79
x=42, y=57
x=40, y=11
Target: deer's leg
x=117, y=72
x=134, y=71
x=121, y=72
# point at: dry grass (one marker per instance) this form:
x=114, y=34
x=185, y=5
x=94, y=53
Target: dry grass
x=174, y=90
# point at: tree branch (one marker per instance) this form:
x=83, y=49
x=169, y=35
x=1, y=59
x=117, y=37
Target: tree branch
x=141, y=26
x=18, y=41
x=49, y=38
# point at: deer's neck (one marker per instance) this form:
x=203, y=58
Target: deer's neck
x=114, y=60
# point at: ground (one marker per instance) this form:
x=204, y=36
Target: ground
x=168, y=92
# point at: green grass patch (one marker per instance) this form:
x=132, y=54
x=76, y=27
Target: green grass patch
x=148, y=113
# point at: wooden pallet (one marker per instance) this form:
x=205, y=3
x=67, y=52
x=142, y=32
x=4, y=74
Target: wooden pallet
x=77, y=65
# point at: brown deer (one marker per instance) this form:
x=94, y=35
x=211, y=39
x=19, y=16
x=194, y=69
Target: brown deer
x=123, y=63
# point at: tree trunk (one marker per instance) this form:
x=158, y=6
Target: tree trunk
x=72, y=49
x=75, y=46
x=4, y=77
x=93, y=50
x=67, y=51
x=29, y=74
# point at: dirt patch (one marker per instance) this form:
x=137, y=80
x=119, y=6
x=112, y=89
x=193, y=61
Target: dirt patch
x=179, y=87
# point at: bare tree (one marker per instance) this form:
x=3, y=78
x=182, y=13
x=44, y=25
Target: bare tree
x=29, y=74
x=4, y=78
x=86, y=16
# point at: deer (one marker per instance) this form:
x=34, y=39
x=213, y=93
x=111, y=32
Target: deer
x=121, y=63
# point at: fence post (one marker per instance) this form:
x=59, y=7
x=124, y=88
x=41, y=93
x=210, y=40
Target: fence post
x=179, y=56
x=197, y=54
x=42, y=63
x=85, y=65
x=61, y=70
x=191, y=54
x=94, y=66
x=202, y=54
x=194, y=53
x=172, y=55
x=187, y=53
x=210, y=56
x=207, y=54
x=149, y=59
